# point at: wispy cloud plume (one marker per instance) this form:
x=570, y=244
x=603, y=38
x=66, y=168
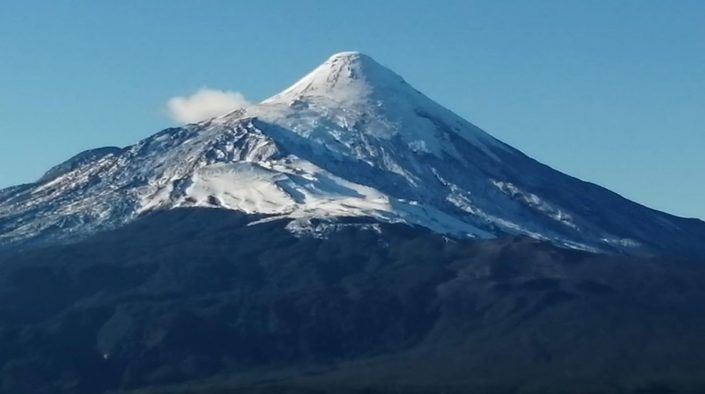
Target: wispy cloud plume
x=203, y=104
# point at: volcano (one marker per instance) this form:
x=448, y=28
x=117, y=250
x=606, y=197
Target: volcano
x=350, y=139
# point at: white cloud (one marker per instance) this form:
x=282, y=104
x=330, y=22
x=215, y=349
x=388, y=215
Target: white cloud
x=203, y=104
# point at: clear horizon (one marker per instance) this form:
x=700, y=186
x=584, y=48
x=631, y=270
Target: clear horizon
x=610, y=93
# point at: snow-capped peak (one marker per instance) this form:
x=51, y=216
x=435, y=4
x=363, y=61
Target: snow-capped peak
x=344, y=77
x=350, y=97
x=351, y=138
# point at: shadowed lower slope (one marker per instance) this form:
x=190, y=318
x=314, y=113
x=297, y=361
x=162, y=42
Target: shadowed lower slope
x=198, y=300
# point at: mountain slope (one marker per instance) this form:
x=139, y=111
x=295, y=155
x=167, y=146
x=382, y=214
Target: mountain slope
x=352, y=138
x=238, y=306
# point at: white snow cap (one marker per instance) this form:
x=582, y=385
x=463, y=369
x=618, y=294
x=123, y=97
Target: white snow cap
x=351, y=138
x=345, y=75
x=349, y=90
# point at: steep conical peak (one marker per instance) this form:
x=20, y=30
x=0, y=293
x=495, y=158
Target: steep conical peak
x=349, y=139
x=350, y=89
x=343, y=76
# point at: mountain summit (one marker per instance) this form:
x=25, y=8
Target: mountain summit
x=345, y=76
x=350, y=139
x=361, y=90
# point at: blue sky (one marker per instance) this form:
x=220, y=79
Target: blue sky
x=612, y=92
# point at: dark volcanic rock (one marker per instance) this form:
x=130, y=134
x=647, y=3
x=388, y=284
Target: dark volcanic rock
x=205, y=296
